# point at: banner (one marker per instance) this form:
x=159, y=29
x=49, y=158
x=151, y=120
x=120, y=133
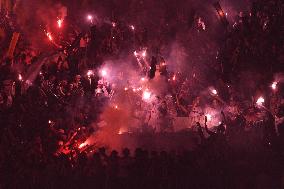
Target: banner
x=13, y=44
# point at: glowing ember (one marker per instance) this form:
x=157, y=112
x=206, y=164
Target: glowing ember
x=83, y=145
x=48, y=34
x=59, y=23
x=132, y=27
x=122, y=130
x=146, y=95
x=209, y=117
x=274, y=85
x=214, y=91
x=90, y=73
x=20, y=77
x=201, y=24
x=90, y=17
x=260, y=101
x=144, y=53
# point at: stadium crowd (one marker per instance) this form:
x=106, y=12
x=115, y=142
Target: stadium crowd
x=44, y=116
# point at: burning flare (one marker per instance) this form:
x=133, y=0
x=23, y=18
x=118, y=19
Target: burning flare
x=48, y=34
x=209, y=117
x=82, y=145
x=260, y=101
x=132, y=27
x=274, y=85
x=59, y=23
x=20, y=77
x=90, y=73
x=146, y=95
x=214, y=92
x=104, y=72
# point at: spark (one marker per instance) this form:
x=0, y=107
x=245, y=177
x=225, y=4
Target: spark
x=82, y=145
x=201, y=24
x=59, y=23
x=90, y=17
x=49, y=121
x=144, y=53
x=132, y=27
x=274, y=85
x=48, y=34
x=260, y=101
x=20, y=77
x=174, y=77
x=90, y=73
x=113, y=24
x=214, y=91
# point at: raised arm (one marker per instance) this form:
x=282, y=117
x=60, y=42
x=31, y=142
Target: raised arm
x=206, y=128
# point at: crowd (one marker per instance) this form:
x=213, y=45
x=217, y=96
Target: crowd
x=50, y=102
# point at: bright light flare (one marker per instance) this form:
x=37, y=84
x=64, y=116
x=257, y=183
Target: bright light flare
x=132, y=27
x=20, y=77
x=214, y=91
x=113, y=24
x=209, y=117
x=274, y=85
x=90, y=17
x=144, y=54
x=82, y=145
x=104, y=73
x=49, y=36
x=59, y=23
x=122, y=131
x=90, y=73
x=146, y=95
x=260, y=101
